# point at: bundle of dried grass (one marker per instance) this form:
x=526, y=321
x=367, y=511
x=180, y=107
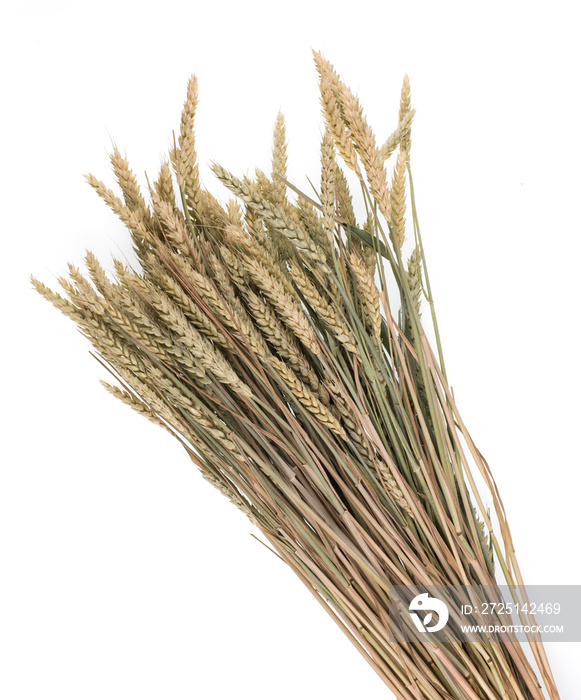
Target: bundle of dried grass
x=261, y=335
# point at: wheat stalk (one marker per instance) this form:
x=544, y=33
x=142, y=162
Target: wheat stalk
x=260, y=334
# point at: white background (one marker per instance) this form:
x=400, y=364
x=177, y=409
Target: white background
x=123, y=574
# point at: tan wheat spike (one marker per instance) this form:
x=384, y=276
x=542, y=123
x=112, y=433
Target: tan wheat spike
x=238, y=319
x=131, y=313
x=98, y=275
x=286, y=307
x=208, y=357
x=140, y=233
x=279, y=337
x=176, y=231
x=323, y=308
x=364, y=450
x=112, y=346
x=164, y=386
x=263, y=247
x=115, y=295
x=392, y=487
x=404, y=111
x=101, y=333
x=129, y=316
x=151, y=384
x=227, y=491
x=272, y=329
x=185, y=158
x=75, y=310
x=128, y=184
x=307, y=397
x=280, y=220
x=328, y=186
x=350, y=112
x=212, y=217
x=206, y=290
x=212, y=208
x=369, y=294
x=81, y=292
x=59, y=302
x=312, y=222
x=174, y=290
x=398, y=135
x=204, y=418
x=281, y=245
x=279, y=158
x=168, y=419
x=365, y=144
x=267, y=189
x=227, y=306
x=235, y=269
x=164, y=185
x=398, y=199
x=234, y=212
x=368, y=253
x=257, y=248
x=265, y=319
x=255, y=227
x=142, y=408
x=161, y=393
x=344, y=199
x=169, y=287
x=332, y=112
x=414, y=274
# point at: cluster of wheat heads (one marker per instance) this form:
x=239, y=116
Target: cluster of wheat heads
x=262, y=336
